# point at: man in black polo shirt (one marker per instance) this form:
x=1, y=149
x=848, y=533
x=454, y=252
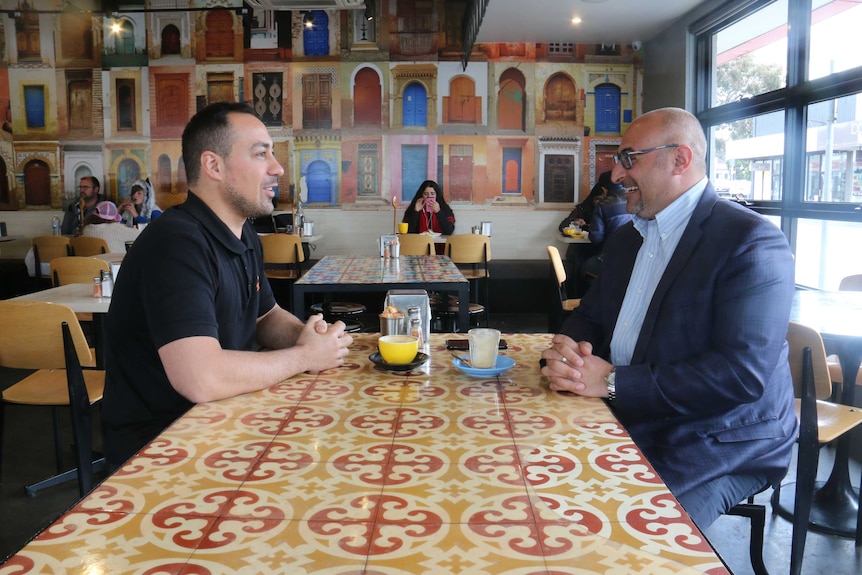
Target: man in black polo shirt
x=192, y=301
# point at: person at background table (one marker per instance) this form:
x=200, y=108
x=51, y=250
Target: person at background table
x=429, y=212
x=609, y=215
x=141, y=206
x=107, y=224
x=88, y=188
x=193, y=303
x=686, y=325
x=582, y=214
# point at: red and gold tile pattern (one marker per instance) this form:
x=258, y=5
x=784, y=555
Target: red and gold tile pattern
x=362, y=471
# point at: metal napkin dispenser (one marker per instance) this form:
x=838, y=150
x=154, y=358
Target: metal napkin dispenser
x=401, y=299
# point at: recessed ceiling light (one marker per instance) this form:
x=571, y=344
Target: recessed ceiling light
x=576, y=20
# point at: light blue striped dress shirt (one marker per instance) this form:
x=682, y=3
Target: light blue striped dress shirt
x=661, y=236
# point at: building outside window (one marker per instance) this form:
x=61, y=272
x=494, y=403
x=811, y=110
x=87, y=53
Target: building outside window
x=781, y=104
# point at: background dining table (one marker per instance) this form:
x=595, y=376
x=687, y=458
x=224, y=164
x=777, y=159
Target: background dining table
x=333, y=274
x=363, y=470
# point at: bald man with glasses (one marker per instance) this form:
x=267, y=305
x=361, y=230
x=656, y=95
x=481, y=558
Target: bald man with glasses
x=684, y=329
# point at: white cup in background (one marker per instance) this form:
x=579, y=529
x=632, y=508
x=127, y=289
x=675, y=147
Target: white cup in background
x=483, y=346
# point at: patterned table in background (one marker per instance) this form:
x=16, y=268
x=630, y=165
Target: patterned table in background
x=358, y=470
x=376, y=274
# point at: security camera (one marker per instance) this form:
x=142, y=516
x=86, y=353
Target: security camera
x=637, y=45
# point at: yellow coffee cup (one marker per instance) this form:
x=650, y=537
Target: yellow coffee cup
x=398, y=349
x=402, y=228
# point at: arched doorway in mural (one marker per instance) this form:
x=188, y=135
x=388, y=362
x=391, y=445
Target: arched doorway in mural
x=319, y=180
x=560, y=99
x=37, y=183
x=511, y=101
x=127, y=172
x=170, y=40
x=366, y=98
x=124, y=41
x=415, y=105
x=608, y=108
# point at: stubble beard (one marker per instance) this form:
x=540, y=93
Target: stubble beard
x=246, y=207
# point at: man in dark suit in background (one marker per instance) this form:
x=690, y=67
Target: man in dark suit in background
x=684, y=329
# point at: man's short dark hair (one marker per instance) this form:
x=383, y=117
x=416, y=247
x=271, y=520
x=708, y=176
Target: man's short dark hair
x=209, y=130
x=94, y=181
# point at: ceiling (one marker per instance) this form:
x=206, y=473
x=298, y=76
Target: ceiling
x=604, y=21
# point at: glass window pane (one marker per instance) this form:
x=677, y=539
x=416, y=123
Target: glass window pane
x=747, y=157
x=834, y=22
x=825, y=252
x=751, y=55
x=834, y=132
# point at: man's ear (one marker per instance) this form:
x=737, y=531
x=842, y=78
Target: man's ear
x=682, y=159
x=212, y=165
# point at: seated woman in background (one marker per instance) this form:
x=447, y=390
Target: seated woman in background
x=141, y=206
x=107, y=224
x=429, y=212
x=609, y=215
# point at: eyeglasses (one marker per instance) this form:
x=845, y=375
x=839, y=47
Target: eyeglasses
x=85, y=187
x=625, y=157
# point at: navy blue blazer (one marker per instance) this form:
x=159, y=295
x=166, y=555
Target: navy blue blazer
x=708, y=392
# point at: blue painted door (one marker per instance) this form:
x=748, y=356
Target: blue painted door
x=414, y=169
x=415, y=107
x=319, y=182
x=607, y=108
x=315, y=40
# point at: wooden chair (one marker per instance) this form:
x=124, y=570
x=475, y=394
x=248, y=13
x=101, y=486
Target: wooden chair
x=86, y=246
x=849, y=283
x=471, y=253
x=567, y=304
x=820, y=422
x=416, y=244
x=45, y=249
x=48, y=338
x=76, y=270
x=282, y=258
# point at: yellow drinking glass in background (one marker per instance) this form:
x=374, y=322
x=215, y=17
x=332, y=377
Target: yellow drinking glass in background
x=402, y=228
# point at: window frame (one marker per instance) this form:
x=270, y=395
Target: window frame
x=793, y=99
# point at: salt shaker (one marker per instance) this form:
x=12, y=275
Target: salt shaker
x=414, y=322
x=97, y=286
x=107, y=284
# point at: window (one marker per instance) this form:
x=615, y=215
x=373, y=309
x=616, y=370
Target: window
x=34, y=102
x=125, y=104
x=782, y=108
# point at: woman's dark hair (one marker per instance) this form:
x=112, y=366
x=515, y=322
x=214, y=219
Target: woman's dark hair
x=418, y=196
x=209, y=130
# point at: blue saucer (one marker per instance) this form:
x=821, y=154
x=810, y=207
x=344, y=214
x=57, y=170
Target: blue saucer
x=504, y=363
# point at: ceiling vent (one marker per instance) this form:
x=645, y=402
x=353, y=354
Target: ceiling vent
x=306, y=4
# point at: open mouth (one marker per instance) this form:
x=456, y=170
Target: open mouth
x=632, y=189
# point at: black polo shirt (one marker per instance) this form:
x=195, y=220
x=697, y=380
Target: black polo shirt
x=186, y=275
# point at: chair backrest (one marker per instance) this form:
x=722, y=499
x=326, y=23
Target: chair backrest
x=88, y=246
x=282, y=249
x=46, y=248
x=416, y=244
x=559, y=270
x=469, y=248
x=31, y=335
x=76, y=270
x=851, y=283
x=799, y=337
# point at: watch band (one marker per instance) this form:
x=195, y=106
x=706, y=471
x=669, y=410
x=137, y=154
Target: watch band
x=611, y=382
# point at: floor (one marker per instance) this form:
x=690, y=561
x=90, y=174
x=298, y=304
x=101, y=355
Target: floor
x=21, y=517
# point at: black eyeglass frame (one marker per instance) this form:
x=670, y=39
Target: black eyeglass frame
x=625, y=157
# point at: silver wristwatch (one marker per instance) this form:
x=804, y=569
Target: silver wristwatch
x=611, y=381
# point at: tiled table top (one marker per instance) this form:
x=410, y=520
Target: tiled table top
x=377, y=270
x=359, y=470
